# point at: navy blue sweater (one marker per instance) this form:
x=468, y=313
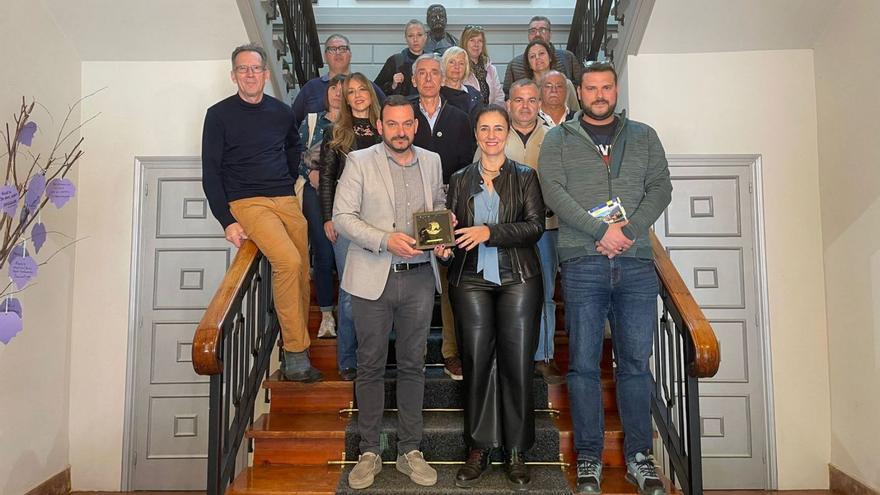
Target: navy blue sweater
x=248, y=150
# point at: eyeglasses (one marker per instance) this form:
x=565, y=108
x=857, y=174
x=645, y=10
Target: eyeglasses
x=337, y=49
x=542, y=30
x=244, y=69
x=475, y=27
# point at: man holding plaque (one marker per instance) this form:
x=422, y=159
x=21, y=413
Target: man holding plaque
x=607, y=179
x=391, y=281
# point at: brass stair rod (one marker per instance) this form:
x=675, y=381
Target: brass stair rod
x=458, y=463
x=350, y=410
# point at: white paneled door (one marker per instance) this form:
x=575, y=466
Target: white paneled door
x=182, y=258
x=709, y=231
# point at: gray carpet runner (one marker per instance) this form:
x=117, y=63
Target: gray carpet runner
x=443, y=440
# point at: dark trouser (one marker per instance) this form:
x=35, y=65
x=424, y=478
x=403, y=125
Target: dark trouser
x=498, y=329
x=406, y=304
x=322, y=248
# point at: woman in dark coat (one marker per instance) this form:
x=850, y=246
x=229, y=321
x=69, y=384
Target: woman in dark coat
x=496, y=291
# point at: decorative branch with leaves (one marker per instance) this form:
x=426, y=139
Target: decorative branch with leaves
x=23, y=197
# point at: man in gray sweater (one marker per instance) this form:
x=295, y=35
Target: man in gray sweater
x=596, y=163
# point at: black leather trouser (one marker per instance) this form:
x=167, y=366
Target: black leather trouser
x=498, y=329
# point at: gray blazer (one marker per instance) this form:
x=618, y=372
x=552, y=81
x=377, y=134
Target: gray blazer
x=363, y=211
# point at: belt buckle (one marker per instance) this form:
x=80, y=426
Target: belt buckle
x=394, y=267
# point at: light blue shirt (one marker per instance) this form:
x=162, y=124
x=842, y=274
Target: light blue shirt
x=486, y=205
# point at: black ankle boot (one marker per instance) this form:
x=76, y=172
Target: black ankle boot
x=517, y=471
x=476, y=464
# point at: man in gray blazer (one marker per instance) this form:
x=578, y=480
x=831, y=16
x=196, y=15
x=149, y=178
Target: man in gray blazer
x=391, y=282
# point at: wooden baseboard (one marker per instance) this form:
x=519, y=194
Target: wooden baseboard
x=56, y=485
x=844, y=483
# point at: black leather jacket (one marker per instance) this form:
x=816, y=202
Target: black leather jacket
x=520, y=220
x=331, y=163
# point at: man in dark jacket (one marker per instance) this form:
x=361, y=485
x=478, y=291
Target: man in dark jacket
x=445, y=130
x=594, y=168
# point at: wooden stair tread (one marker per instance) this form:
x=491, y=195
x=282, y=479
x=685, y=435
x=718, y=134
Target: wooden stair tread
x=322, y=480
x=331, y=380
x=284, y=479
x=298, y=425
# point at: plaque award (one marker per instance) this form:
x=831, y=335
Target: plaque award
x=433, y=228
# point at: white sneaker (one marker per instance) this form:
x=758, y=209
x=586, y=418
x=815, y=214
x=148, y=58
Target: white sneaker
x=327, y=330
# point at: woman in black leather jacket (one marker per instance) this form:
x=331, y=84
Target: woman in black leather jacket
x=354, y=129
x=496, y=290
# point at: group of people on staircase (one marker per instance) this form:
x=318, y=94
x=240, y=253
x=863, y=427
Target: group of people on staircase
x=529, y=182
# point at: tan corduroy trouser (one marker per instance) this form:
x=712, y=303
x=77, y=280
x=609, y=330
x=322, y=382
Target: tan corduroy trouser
x=278, y=227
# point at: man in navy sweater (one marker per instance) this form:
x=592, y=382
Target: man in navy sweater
x=250, y=156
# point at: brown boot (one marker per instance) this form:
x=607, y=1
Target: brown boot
x=550, y=372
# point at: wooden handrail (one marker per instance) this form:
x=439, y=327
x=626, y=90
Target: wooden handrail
x=707, y=355
x=205, y=349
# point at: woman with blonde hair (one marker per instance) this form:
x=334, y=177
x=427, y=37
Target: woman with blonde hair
x=354, y=129
x=483, y=74
x=456, y=69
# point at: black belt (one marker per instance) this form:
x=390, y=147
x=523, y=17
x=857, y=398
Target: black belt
x=402, y=267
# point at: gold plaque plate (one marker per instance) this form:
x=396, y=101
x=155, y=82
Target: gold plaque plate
x=433, y=228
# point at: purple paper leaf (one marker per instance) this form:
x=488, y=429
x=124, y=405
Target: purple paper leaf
x=38, y=236
x=22, y=270
x=17, y=252
x=35, y=191
x=26, y=136
x=60, y=191
x=11, y=305
x=10, y=326
x=9, y=200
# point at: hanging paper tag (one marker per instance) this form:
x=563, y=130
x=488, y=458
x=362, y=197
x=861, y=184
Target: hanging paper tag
x=9, y=200
x=60, y=191
x=38, y=236
x=18, y=251
x=11, y=304
x=26, y=136
x=35, y=191
x=22, y=271
x=10, y=326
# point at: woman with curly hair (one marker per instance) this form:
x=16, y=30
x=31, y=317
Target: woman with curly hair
x=354, y=129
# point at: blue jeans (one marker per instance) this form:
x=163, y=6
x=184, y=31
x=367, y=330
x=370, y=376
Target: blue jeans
x=322, y=249
x=346, y=340
x=624, y=290
x=549, y=264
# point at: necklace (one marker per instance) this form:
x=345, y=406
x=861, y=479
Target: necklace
x=490, y=174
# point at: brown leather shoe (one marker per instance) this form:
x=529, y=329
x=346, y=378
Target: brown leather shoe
x=550, y=372
x=476, y=464
x=452, y=367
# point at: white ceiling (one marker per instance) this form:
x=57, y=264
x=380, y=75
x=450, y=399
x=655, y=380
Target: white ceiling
x=697, y=26
x=141, y=30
